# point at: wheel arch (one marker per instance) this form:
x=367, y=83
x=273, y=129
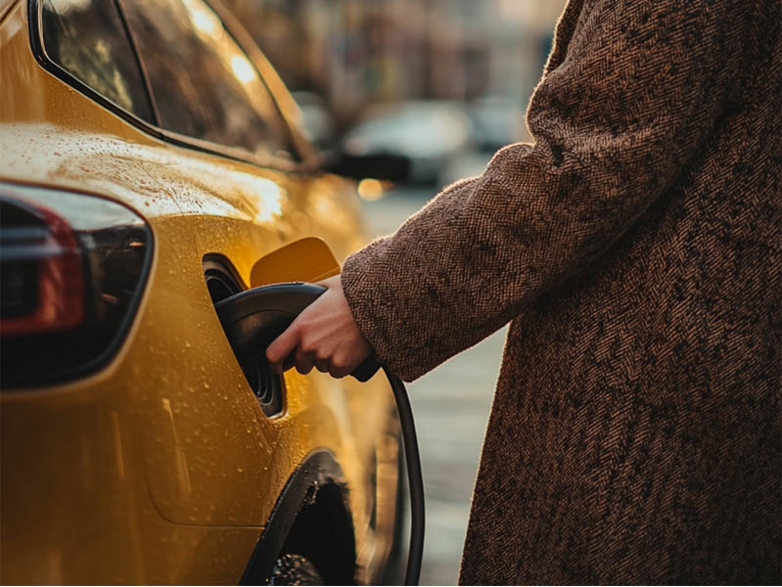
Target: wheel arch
x=311, y=517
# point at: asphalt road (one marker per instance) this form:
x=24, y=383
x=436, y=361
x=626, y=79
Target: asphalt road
x=451, y=406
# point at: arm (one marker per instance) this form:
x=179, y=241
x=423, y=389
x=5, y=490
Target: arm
x=626, y=102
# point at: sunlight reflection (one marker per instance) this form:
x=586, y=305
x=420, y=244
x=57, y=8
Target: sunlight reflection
x=203, y=20
x=370, y=189
x=242, y=68
x=270, y=200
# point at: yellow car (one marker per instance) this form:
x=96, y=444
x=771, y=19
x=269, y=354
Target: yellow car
x=150, y=166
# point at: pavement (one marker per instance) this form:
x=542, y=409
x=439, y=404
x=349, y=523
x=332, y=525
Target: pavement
x=451, y=406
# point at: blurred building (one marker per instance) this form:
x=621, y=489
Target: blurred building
x=357, y=52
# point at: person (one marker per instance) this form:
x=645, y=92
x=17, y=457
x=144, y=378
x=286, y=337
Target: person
x=635, y=248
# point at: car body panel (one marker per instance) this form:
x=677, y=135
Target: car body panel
x=140, y=473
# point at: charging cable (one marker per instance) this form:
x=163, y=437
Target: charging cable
x=414, y=477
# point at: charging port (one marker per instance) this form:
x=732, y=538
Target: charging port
x=223, y=282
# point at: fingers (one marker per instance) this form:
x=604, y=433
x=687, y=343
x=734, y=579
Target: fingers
x=290, y=345
x=338, y=371
x=324, y=336
x=304, y=361
x=282, y=347
x=322, y=365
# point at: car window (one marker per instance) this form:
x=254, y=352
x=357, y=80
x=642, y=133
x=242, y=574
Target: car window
x=202, y=82
x=87, y=39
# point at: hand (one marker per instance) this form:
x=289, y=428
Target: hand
x=324, y=336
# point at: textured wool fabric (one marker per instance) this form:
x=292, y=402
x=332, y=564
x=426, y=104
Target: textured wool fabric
x=635, y=431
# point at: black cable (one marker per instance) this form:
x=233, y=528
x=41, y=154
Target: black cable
x=415, y=479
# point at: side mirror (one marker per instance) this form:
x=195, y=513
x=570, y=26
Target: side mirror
x=389, y=167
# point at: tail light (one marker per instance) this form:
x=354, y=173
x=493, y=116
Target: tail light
x=72, y=269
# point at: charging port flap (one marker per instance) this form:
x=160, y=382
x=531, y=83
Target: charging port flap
x=309, y=259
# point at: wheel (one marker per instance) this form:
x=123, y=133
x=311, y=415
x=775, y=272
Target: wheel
x=295, y=569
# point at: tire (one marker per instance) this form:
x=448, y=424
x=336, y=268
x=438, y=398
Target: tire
x=295, y=569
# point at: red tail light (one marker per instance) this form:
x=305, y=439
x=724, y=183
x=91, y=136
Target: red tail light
x=42, y=281
x=72, y=271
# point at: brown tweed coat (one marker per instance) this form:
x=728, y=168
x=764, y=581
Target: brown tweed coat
x=635, y=432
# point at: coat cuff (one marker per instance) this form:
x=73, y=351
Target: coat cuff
x=364, y=282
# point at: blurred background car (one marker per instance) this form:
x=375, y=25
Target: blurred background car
x=496, y=123
x=428, y=134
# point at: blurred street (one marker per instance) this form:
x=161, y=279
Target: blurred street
x=451, y=406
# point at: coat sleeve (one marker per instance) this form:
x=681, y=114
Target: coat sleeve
x=631, y=91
